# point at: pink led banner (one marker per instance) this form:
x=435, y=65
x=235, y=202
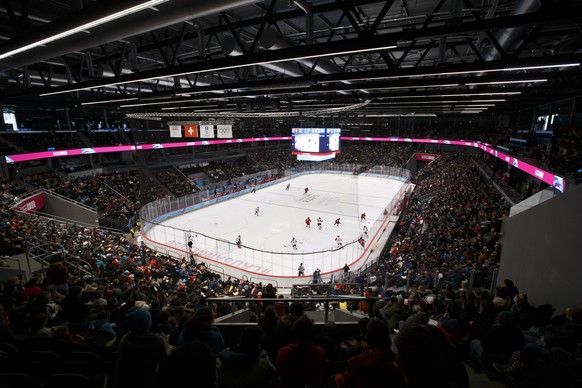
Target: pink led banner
x=543, y=175
x=30, y=204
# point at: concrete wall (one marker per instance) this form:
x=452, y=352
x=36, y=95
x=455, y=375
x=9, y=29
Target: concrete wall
x=63, y=208
x=542, y=251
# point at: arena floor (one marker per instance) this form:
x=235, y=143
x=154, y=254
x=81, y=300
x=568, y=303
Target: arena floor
x=282, y=216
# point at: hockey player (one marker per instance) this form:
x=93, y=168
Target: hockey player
x=362, y=241
x=306, y=190
x=294, y=243
x=363, y=217
x=337, y=222
x=365, y=231
x=338, y=240
x=190, y=243
x=319, y=221
x=288, y=185
x=257, y=211
x=308, y=222
x=238, y=241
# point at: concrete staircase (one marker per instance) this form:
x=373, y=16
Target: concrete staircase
x=19, y=265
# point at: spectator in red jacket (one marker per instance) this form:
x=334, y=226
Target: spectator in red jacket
x=301, y=363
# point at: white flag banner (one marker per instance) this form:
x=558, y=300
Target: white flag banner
x=175, y=131
x=224, y=131
x=207, y=131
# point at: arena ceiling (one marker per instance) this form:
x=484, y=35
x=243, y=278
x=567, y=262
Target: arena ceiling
x=389, y=58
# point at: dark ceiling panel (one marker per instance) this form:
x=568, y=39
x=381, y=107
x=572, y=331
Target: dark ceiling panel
x=175, y=51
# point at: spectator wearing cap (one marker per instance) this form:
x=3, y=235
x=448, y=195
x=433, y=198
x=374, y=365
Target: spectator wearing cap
x=140, y=352
x=393, y=313
x=99, y=331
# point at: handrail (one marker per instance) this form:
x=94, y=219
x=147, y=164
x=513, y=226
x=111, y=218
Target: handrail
x=325, y=299
x=294, y=287
x=70, y=221
x=499, y=189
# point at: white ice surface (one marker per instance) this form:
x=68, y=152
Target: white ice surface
x=282, y=216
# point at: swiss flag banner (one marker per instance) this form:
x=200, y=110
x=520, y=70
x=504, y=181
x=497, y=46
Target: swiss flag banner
x=190, y=130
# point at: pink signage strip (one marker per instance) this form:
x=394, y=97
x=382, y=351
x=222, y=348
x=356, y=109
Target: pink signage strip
x=553, y=180
x=413, y=140
x=545, y=176
x=60, y=153
x=421, y=156
x=30, y=204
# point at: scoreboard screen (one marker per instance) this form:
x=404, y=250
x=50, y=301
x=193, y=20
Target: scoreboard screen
x=316, y=144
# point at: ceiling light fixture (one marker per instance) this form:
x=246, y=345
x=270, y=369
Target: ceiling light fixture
x=403, y=115
x=541, y=67
x=505, y=82
x=109, y=101
x=453, y=95
x=310, y=113
x=333, y=54
x=83, y=27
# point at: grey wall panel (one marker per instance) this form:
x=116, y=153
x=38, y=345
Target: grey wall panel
x=542, y=251
x=69, y=210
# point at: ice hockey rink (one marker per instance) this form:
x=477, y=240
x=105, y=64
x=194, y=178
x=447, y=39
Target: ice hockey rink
x=266, y=236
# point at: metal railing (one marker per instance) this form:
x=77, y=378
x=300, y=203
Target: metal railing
x=353, y=302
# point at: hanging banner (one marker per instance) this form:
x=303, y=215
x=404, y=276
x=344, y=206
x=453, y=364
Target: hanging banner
x=224, y=131
x=175, y=131
x=207, y=131
x=190, y=130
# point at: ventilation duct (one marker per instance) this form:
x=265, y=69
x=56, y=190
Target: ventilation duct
x=509, y=36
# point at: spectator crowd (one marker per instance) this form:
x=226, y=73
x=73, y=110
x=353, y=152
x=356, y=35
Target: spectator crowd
x=148, y=315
